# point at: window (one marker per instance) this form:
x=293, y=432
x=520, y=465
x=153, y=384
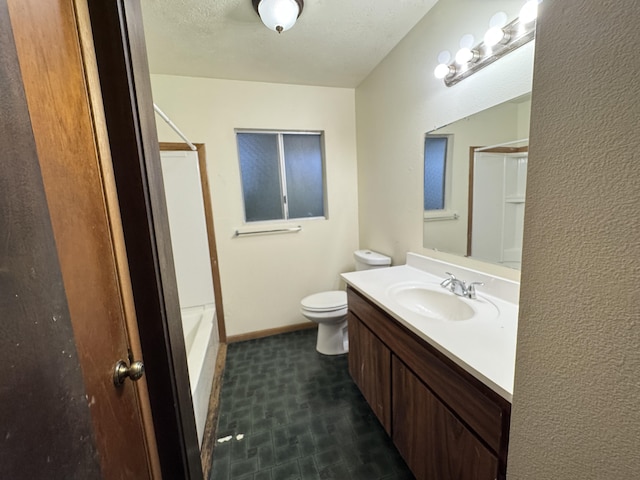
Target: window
x=436, y=175
x=282, y=175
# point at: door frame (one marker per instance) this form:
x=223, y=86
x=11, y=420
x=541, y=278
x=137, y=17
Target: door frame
x=211, y=234
x=126, y=91
x=472, y=155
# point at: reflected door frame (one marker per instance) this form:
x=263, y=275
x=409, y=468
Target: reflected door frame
x=472, y=153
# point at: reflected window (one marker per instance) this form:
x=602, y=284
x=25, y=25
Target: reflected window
x=436, y=161
x=282, y=175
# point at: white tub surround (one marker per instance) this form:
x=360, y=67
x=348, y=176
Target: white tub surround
x=201, y=344
x=189, y=241
x=197, y=325
x=484, y=346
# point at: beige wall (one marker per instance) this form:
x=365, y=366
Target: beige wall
x=264, y=278
x=402, y=100
x=576, y=407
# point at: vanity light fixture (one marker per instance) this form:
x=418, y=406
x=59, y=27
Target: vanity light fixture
x=498, y=41
x=496, y=35
x=529, y=11
x=278, y=15
x=442, y=70
x=466, y=55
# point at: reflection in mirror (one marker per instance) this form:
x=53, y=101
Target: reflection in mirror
x=437, y=184
x=452, y=228
x=498, y=178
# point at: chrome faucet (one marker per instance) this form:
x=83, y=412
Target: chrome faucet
x=459, y=287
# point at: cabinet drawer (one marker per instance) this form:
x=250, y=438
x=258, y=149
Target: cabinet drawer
x=483, y=410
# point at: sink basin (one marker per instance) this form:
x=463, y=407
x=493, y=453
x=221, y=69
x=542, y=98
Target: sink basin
x=435, y=302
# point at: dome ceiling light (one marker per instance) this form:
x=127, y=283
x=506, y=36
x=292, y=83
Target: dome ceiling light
x=278, y=15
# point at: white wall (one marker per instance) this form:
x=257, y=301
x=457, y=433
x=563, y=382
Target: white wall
x=264, y=278
x=402, y=100
x=576, y=402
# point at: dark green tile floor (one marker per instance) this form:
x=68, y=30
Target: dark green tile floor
x=289, y=413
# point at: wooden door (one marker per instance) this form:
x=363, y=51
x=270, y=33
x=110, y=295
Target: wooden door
x=433, y=442
x=42, y=394
x=87, y=306
x=126, y=90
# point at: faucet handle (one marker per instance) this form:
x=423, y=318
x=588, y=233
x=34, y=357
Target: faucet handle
x=471, y=289
x=447, y=281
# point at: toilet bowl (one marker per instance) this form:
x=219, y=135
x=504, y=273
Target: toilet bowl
x=329, y=309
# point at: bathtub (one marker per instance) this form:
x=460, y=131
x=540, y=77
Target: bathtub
x=201, y=345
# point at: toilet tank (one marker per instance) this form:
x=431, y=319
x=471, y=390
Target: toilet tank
x=368, y=259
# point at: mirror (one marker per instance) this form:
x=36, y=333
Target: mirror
x=474, y=182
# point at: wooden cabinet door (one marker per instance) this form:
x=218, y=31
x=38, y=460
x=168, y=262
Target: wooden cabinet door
x=433, y=442
x=370, y=368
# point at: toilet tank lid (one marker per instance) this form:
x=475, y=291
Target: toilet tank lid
x=325, y=301
x=370, y=257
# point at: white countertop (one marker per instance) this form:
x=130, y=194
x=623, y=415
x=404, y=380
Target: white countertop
x=484, y=347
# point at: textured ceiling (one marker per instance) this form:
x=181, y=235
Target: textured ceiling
x=335, y=43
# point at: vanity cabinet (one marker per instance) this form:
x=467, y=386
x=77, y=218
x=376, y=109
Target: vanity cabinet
x=370, y=368
x=431, y=439
x=445, y=423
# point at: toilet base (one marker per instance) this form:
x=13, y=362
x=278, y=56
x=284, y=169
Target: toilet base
x=332, y=338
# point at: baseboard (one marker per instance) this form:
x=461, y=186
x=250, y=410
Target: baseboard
x=271, y=331
x=209, y=437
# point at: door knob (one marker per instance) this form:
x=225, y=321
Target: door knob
x=122, y=371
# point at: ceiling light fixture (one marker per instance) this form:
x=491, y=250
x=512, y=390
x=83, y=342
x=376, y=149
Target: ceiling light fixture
x=278, y=15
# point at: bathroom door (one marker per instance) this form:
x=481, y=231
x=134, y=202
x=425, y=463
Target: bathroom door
x=65, y=305
x=123, y=69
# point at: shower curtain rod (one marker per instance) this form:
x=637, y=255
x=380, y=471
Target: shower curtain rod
x=173, y=126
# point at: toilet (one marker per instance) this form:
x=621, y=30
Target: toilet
x=329, y=309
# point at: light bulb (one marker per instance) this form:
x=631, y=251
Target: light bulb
x=464, y=56
x=529, y=11
x=494, y=36
x=278, y=15
x=444, y=56
x=442, y=70
x=498, y=20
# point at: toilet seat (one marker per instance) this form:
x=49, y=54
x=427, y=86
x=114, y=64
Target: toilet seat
x=325, y=301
